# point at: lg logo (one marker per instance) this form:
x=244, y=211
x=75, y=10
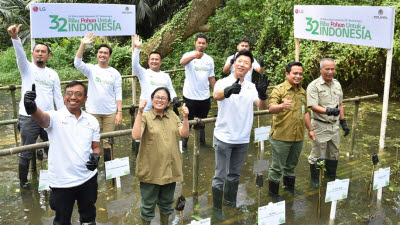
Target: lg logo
x=35, y=8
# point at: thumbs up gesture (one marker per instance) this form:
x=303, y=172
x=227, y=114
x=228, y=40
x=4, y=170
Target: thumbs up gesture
x=287, y=103
x=185, y=110
x=233, y=89
x=29, y=101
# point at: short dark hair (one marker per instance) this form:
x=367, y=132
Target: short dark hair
x=290, y=65
x=166, y=90
x=105, y=46
x=41, y=43
x=156, y=53
x=246, y=53
x=74, y=83
x=244, y=39
x=201, y=35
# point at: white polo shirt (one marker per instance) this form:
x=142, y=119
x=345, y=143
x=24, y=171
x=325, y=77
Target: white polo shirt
x=197, y=72
x=105, y=88
x=235, y=114
x=70, y=147
x=150, y=80
x=46, y=80
x=248, y=74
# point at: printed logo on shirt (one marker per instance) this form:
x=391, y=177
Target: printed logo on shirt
x=97, y=79
x=43, y=82
x=64, y=123
x=201, y=68
x=153, y=83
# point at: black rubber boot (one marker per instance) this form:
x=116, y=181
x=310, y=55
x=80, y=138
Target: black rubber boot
x=202, y=137
x=184, y=144
x=217, y=203
x=107, y=154
x=137, y=145
x=217, y=198
x=23, y=175
x=230, y=193
x=331, y=166
x=288, y=182
x=274, y=191
x=314, y=176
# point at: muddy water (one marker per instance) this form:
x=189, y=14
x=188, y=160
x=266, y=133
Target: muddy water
x=31, y=207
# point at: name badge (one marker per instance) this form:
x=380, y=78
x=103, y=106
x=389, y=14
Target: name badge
x=303, y=109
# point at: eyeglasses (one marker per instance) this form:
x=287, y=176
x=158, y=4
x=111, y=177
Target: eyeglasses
x=76, y=93
x=162, y=99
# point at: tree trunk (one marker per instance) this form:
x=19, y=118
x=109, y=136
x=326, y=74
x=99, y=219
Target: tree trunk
x=183, y=25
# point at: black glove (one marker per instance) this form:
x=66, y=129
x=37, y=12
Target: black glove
x=233, y=89
x=180, y=203
x=333, y=111
x=259, y=180
x=176, y=104
x=93, y=161
x=375, y=159
x=233, y=59
x=345, y=127
x=261, y=61
x=29, y=101
x=262, y=86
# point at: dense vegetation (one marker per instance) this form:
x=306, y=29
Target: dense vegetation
x=269, y=25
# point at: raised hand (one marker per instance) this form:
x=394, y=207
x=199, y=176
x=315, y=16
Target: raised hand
x=88, y=39
x=13, y=31
x=185, y=110
x=233, y=89
x=142, y=105
x=137, y=41
x=262, y=86
x=198, y=54
x=261, y=61
x=29, y=101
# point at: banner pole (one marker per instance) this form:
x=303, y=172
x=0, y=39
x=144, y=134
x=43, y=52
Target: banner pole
x=297, y=49
x=385, y=99
x=133, y=78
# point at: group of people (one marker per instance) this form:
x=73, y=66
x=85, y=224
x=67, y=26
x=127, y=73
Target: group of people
x=74, y=134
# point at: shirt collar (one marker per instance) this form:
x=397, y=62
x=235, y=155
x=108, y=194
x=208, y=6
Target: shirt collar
x=154, y=114
x=66, y=113
x=322, y=81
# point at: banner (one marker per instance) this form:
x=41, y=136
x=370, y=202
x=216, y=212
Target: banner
x=71, y=20
x=358, y=25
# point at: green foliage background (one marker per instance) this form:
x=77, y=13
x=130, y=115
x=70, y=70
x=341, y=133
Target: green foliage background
x=269, y=26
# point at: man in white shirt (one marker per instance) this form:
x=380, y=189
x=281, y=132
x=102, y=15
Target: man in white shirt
x=74, y=154
x=105, y=89
x=48, y=88
x=243, y=44
x=236, y=98
x=150, y=79
x=199, y=72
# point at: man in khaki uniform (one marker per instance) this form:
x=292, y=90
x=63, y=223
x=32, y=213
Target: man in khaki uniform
x=289, y=106
x=325, y=98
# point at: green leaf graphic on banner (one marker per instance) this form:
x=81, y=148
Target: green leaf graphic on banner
x=328, y=199
x=281, y=220
x=375, y=187
x=344, y=196
x=109, y=177
x=126, y=172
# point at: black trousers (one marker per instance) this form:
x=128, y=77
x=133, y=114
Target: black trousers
x=197, y=108
x=62, y=201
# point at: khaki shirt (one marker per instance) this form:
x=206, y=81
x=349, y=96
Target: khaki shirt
x=321, y=94
x=159, y=159
x=288, y=125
